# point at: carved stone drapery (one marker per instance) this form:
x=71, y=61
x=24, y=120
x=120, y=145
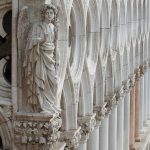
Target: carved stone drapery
x=87, y=124
x=38, y=132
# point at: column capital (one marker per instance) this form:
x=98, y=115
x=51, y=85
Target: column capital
x=120, y=93
x=87, y=124
x=126, y=86
x=141, y=70
x=137, y=74
x=111, y=101
x=36, y=130
x=146, y=66
x=100, y=112
x=132, y=80
x=71, y=138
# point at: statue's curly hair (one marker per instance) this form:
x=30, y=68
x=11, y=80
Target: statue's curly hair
x=46, y=7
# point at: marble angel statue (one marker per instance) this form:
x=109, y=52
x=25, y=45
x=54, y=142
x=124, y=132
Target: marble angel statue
x=40, y=63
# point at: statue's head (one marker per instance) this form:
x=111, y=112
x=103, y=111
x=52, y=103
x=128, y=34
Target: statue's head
x=49, y=12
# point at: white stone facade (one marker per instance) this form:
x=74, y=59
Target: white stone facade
x=103, y=78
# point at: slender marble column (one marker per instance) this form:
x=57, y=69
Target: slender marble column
x=83, y=145
x=126, y=116
x=113, y=129
x=132, y=117
x=145, y=96
x=141, y=108
x=148, y=94
x=93, y=141
x=120, y=125
x=103, y=140
x=126, y=121
x=137, y=105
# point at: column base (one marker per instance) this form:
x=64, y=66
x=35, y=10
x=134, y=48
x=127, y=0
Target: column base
x=142, y=131
x=132, y=147
x=146, y=123
x=137, y=139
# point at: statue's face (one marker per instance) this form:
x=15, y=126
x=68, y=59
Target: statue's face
x=49, y=15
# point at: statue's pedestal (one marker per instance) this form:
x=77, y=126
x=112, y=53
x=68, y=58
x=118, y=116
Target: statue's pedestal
x=37, y=131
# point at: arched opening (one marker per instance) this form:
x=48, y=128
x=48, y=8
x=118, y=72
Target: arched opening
x=5, y=46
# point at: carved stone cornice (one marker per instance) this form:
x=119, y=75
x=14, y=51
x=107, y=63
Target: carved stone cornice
x=36, y=131
x=87, y=124
x=100, y=111
x=71, y=138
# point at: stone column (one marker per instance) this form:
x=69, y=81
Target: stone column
x=113, y=129
x=120, y=125
x=137, y=105
x=132, y=114
x=103, y=134
x=98, y=134
x=126, y=114
x=146, y=90
x=87, y=124
x=93, y=141
x=141, y=108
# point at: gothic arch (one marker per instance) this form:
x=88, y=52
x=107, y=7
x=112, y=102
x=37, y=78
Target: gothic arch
x=78, y=49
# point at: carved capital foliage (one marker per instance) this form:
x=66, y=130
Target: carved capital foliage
x=137, y=74
x=7, y=111
x=37, y=132
x=120, y=93
x=71, y=138
x=100, y=111
x=146, y=66
x=142, y=70
x=132, y=80
x=111, y=102
x=87, y=125
x=126, y=86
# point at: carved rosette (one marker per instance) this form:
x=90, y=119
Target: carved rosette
x=87, y=125
x=71, y=138
x=37, y=133
x=100, y=111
